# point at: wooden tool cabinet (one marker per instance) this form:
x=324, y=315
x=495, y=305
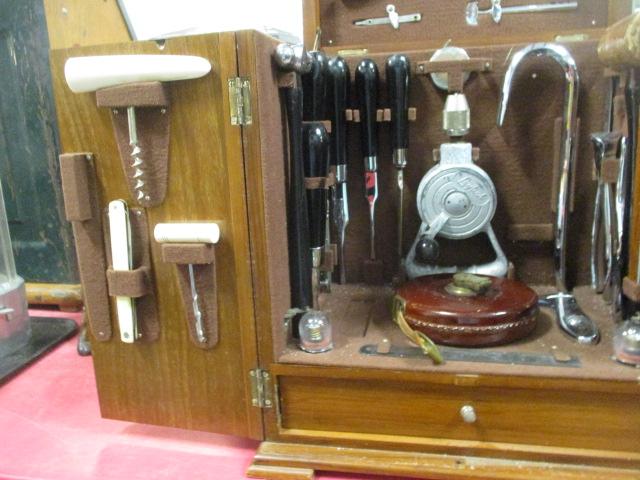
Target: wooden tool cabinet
x=343, y=410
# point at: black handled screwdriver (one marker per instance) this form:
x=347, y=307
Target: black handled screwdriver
x=367, y=91
x=338, y=94
x=397, y=71
x=316, y=164
x=314, y=85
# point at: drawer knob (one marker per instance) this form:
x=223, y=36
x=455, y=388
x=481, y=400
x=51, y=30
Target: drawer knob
x=468, y=414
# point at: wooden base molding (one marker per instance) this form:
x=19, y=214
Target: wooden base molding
x=283, y=461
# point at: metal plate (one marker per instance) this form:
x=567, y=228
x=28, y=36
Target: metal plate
x=475, y=207
x=46, y=333
x=452, y=354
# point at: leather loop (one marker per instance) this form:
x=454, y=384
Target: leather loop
x=315, y=183
x=128, y=283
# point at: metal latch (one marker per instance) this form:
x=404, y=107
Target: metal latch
x=240, y=101
x=261, y=395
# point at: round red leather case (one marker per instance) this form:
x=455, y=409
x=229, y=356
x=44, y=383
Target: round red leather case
x=505, y=312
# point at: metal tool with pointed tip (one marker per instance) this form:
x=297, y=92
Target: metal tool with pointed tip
x=570, y=317
x=398, y=69
x=367, y=92
x=338, y=94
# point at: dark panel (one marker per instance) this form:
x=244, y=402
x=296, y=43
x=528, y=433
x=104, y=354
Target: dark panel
x=42, y=240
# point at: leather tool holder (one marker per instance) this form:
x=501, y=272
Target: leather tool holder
x=455, y=70
x=202, y=258
x=330, y=255
x=82, y=210
x=138, y=282
x=151, y=103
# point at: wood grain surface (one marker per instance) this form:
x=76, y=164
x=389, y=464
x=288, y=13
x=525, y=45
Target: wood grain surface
x=171, y=382
x=80, y=23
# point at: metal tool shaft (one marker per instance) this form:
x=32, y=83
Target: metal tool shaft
x=197, y=313
x=137, y=164
x=371, y=185
x=400, y=185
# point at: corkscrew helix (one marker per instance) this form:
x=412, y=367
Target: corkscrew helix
x=138, y=162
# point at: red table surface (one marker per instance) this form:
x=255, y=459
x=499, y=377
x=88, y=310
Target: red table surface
x=50, y=428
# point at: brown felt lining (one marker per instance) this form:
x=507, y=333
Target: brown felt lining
x=82, y=208
x=273, y=157
x=203, y=260
x=445, y=20
x=146, y=305
x=542, y=232
x=153, y=136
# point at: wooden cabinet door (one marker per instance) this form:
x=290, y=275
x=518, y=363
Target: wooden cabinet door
x=171, y=381
x=42, y=242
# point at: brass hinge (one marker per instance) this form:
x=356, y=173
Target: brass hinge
x=261, y=394
x=240, y=101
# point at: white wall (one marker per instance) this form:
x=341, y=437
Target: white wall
x=160, y=18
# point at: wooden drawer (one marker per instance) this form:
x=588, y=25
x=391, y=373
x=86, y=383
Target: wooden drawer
x=577, y=414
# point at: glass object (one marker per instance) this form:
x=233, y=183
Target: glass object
x=626, y=341
x=315, y=332
x=14, y=316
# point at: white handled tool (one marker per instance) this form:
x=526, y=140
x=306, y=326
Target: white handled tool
x=121, y=259
x=87, y=74
x=208, y=232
